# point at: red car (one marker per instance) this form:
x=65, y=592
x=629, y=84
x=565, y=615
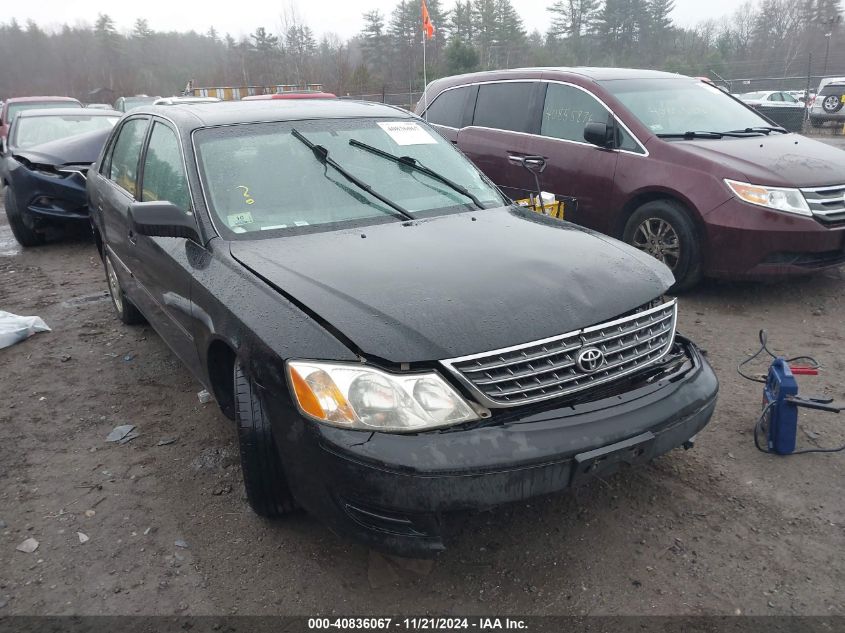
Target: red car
x=669, y=164
x=14, y=105
x=291, y=95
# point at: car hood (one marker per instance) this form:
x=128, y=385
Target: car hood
x=780, y=160
x=78, y=149
x=458, y=284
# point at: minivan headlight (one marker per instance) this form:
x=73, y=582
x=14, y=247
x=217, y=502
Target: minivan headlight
x=365, y=398
x=789, y=200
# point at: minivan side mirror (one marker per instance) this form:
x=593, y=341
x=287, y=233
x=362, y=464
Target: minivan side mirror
x=160, y=218
x=599, y=134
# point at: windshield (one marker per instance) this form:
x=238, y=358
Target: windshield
x=14, y=108
x=137, y=102
x=676, y=106
x=43, y=129
x=259, y=179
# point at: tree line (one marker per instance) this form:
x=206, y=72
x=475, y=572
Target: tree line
x=766, y=38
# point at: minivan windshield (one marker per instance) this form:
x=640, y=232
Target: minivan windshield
x=260, y=179
x=677, y=106
x=35, y=130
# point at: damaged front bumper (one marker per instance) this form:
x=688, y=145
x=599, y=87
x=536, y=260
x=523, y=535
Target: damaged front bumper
x=392, y=491
x=48, y=194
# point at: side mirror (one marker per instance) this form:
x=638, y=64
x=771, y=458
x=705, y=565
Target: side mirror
x=162, y=219
x=599, y=134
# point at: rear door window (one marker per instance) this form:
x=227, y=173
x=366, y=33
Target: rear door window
x=448, y=108
x=504, y=106
x=126, y=152
x=164, y=174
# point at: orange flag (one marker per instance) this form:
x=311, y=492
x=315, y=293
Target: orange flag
x=428, y=27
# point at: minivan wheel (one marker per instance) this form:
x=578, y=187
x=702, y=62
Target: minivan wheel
x=664, y=230
x=264, y=478
x=23, y=234
x=126, y=310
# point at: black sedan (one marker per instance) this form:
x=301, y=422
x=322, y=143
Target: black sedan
x=394, y=339
x=45, y=164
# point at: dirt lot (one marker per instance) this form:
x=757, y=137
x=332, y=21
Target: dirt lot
x=721, y=529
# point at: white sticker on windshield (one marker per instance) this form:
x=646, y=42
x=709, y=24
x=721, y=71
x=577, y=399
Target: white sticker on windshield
x=407, y=133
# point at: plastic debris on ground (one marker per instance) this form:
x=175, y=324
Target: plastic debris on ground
x=83, y=538
x=181, y=543
x=204, y=397
x=14, y=328
x=165, y=441
x=28, y=546
x=122, y=434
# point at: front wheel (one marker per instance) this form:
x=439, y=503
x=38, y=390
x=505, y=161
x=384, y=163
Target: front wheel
x=264, y=478
x=664, y=230
x=23, y=233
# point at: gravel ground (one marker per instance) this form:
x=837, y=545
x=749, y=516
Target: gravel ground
x=720, y=529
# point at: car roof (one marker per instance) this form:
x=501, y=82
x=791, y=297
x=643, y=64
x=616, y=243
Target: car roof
x=36, y=112
x=589, y=72
x=190, y=116
x=29, y=99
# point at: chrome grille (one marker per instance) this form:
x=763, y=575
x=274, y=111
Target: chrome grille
x=826, y=203
x=548, y=368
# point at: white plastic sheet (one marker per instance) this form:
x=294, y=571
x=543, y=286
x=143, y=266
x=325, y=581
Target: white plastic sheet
x=14, y=328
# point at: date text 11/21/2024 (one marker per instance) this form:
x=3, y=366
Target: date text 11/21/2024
x=427, y=623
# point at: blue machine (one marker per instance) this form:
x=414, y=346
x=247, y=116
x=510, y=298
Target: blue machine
x=781, y=415
x=780, y=408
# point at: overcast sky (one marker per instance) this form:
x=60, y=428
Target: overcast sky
x=243, y=16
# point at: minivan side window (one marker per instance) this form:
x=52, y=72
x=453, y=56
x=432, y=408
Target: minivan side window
x=126, y=153
x=448, y=108
x=568, y=109
x=164, y=175
x=504, y=106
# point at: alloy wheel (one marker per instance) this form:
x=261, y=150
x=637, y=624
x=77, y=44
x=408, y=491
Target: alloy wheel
x=114, y=286
x=659, y=239
x=830, y=103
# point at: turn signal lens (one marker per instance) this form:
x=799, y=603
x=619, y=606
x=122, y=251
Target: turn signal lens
x=779, y=198
x=361, y=397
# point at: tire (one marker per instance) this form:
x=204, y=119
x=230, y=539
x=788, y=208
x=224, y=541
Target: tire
x=125, y=309
x=832, y=103
x=664, y=229
x=264, y=478
x=23, y=234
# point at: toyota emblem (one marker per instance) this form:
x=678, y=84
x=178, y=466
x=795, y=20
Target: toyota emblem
x=589, y=360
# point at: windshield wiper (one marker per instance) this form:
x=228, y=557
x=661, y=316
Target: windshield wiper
x=763, y=129
x=322, y=155
x=413, y=163
x=701, y=134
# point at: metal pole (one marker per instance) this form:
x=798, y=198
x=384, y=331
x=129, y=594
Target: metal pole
x=807, y=91
x=826, y=52
x=425, y=82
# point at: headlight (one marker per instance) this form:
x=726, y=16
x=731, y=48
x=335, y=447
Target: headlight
x=789, y=200
x=364, y=398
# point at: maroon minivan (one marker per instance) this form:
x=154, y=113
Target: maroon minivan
x=670, y=164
